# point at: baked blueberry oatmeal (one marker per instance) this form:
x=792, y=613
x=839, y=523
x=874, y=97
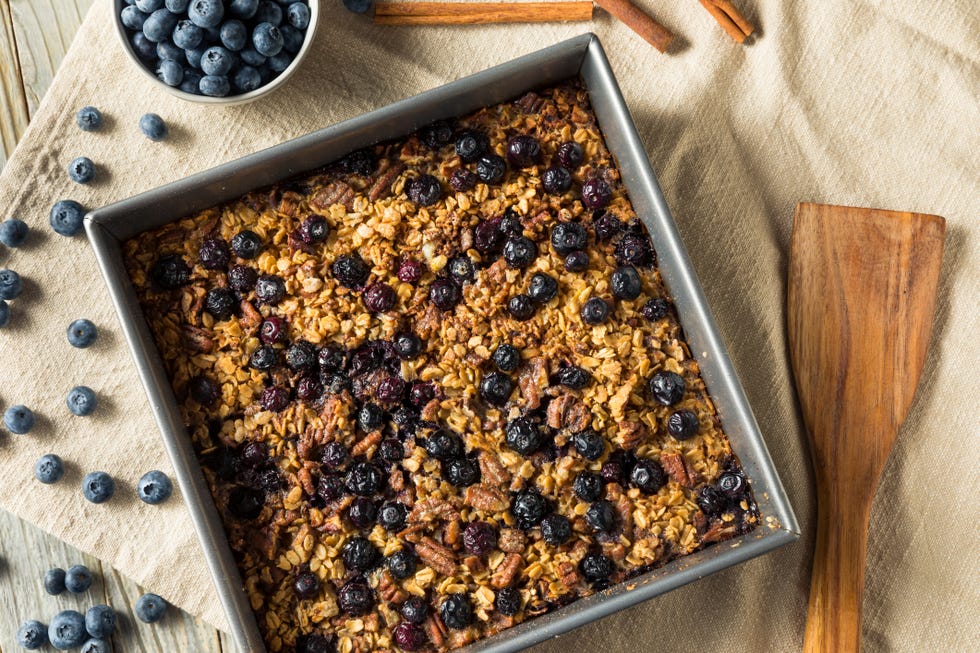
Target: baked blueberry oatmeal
x=438, y=387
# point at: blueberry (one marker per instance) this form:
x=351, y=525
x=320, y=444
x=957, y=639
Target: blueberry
x=470, y=144
x=49, y=469
x=13, y=232
x=521, y=307
x=263, y=358
x=132, y=18
x=589, y=444
x=331, y=358
x=443, y=445
x=174, y=7
x=187, y=35
x=461, y=269
x=149, y=6
x=588, y=486
x=596, y=193
x=424, y=190
x=359, y=162
x=379, y=297
x=606, y=225
x=577, y=261
x=216, y=60
x=234, y=35
x=54, y=581
x=409, y=637
x=154, y=487
x=556, y=180
x=566, y=237
x=18, y=419
x=456, y=611
x=461, y=472
x=351, y=271
x=410, y=270
x=370, y=417
x=67, y=630
x=421, y=393
x=220, y=303
x=556, y=529
x=301, y=356
x=96, y=645
x=268, y=12
x=97, y=487
x=711, y=501
x=595, y=311
x=168, y=51
x=408, y=345
x=542, y=288
x=523, y=436
x=309, y=389
x=4, y=313
x=463, y=180
x=655, y=309
x=574, y=377
x=509, y=601
x=292, y=40
x=159, y=25
x=100, y=620
x=246, y=79
x=267, y=39
x=633, y=249
x=359, y=554
x=523, y=150
x=206, y=13
x=144, y=48
x=445, y=294
x=32, y=635
x=491, y=168
x=364, y=479
x=242, y=278
x=487, y=236
x=153, y=127
x=270, y=289
x=78, y=579
x=732, y=484
x=601, y=516
x=215, y=85
x=66, y=217
x=306, y=585
x=510, y=223
x=506, y=358
x=203, y=390
x=170, y=73
x=520, y=252
x=401, y=564
x=315, y=643
x=415, y=610
x=192, y=81
x=81, y=170
x=274, y=398
x=193, y=56
x=246, y=503
x=392, y=516
x=355, y=598
x=250, y=57
x=529, y=508
x=648, y=475
x=496, y=388
x=683, y=424
x=243, y=9
x=667, y=387
x=596, y=567
x=391, y=450
x=150, y=608
x=570, y=154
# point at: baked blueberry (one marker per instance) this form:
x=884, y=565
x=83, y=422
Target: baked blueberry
x=392, y=450
x=595, y=311
x=556, y=180
x=78, y=579
x=421, y=393
x=351, y=271
x=246, y=244
x=496, y=388
x=523, y=435
x=330, y=487
x=150, y=608
x=263, y=358
x=667, y=387
x=570, y=154
x=270, y=289
x=683, y=424
x=573, y=376
x=301, y=356
x=32, y=635
x=456, y=611
x=542, y=288
x=214, y=254
x=402, y=564
x=54, y=581
x=274, y=398
x=436, y=134
x=355, y=598
x=153, y=127
x=529, y=508
x=506, y=358
x=309, y=389
x=18, y=419
x=392, y=516
x=49, y=469
x=601, y=516
x=520, y=252
x=379, y=297
x=589, y=444
x=479, y=538
x=316, y=643
x=314, y=229
x=732, y=484
x=66, y=217
x=655, y=309
x=508, y=601
x=444, y=445
x=488, y=237
x=370, y=417
x=521, y=307
x=100, y=621
x=596, y=193
x=334, y=454
x=245, y=503
x=359, y=554
x=408, y=345
x=556, y=529
x=415, y=610
x=491, y=168
x=711, y=501
x=82, y=333
x=242, y=278
x=154, y=487
x=523, y=150
x=67, y=630
x=220, y=303
x=461, y=472
x=633, y=249
x=606, y=225
x=648, y=476
x=463, y=180
x=409, y=637
x=424, y=190
x=306, y=585
x=626, y=283
x=364, y=479
x=359, y=162
x=13, y=232
x=445, y=294
x=566, y=237
x=206, y=13
x=588, y=486
x=81, y=401
x=471, y=144
x=596, y=568
x=577, y=261
x=461, y=269
x=410, y=270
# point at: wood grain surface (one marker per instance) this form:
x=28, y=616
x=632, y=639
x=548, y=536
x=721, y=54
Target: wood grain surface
x=34, y=36
x=860, y=306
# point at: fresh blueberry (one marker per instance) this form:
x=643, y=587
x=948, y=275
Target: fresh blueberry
x=49, y=469
x=153, y=127
x=193, y=56
x=521, y=307
x=144, y=48
x=32, y=635
x=150, y=608
x=215, y=85
x=78, y=579
x=570, y=154
x=520, y=252
x=18, y=419
x=67, y=630
x=566, y=237
x=577, y=261
x=13, y=232
x=267, y=39
x=556, y=180
x=149, y=6
x=98, y=487
x=81, y=170
x=456, y=611
x=187, y=35
x=251, y=57
x=170, y=73
x=667, y=387
x=280, y=62
x=66, y=217
x=89, y=118
x=268, y=12
x=95, y=645
x=100, y=620
x=154, y=487
x=298, y=15
x=506, y=358
x=54, y=581
x=595, y=311
x=542, y=288
x=168, y=51
x=174, y=7
x=159, y=25
x=490, y=168
x=132, y=18
x=596, y=193
x=217, y=61
x=246, y=79
x=4, y=313
x=556, y=529
x=206, y=13
x=234, y=35
x=243, y=9
x=683, y=424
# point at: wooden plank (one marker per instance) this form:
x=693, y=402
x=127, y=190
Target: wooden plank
x=14, y=114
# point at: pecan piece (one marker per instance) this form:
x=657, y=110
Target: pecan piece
x=336, y=192
x=510, y=540
x=568, y=575
x=368, y=443
x=718, y=531
x=507, y=571
x=289, y=203
x=305, y=479
x=430, y=510
x=567, y=411
x=533, y=379
x=485, y=497
x=250, y=317
x=493, y=470
x=389, y=590
x=631, y=434
x=436, y=631
x=676, y=467
x=388, y=173
x=198, y=340
x=436, y=556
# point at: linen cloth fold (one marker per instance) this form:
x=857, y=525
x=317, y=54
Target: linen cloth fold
x=864, y=103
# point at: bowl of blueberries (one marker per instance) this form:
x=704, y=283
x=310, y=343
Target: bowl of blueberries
x=217, y=51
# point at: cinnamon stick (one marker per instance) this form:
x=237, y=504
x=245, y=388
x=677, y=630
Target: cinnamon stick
x=730, y=18
x=471, y=13
x=640, y=22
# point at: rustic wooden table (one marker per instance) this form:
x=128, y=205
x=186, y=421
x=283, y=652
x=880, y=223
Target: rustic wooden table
x=34, y=35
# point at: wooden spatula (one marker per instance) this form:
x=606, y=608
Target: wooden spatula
x=861, y=297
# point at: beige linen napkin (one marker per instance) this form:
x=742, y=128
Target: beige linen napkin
x=863, y=103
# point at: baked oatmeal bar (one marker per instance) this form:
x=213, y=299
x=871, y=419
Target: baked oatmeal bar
x=438, y=387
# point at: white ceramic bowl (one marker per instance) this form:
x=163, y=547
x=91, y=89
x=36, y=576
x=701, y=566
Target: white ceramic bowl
x=228, y=100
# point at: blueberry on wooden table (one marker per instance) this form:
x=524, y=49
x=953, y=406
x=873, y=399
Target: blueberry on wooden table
x=32, y=635
x=154, y=487
x=98, y=487
x=19, y=419
x=153, y=127
x=100, y=621
x=66, y=217
x=49, y=469
x=11, y=284
x=82, y=333
x=54, y=581
x=13, y=232
x=78, y=579
x=150, y=608
x=67, y=630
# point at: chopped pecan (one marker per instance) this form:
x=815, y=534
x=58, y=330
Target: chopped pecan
x=198, y=339
x=631, y=434
x=473, y=563
x=334, y=410
x=700, y=522
x=366, y=444
x=507, y=571
x=625, y=513
x=718, y=531
x=305, y=479
x=436, y=631
x=568, y=575
x=297, y=244
x=485, y=497
x=493, y=470
x=436, y=556
x=530, y=102
x=511, y=540
x=250, y=317
x=309, y=441
x=396, y=480
x=388, y=172
x=676, y=467
x=451, y=535
x=289, y=203
x=533, y=379
x=431, y=410
x=432, y=509
x=336, y=192
x=389, y=590
x=567, y=411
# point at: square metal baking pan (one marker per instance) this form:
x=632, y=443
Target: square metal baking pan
x=109, y=227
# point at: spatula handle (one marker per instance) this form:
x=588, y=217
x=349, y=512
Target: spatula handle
x=837, y=586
